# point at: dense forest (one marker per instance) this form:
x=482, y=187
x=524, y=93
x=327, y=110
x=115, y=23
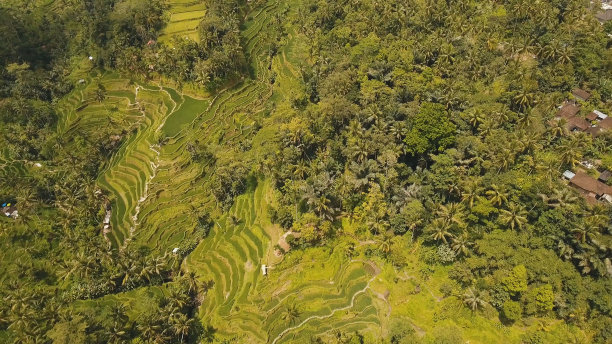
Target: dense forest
x=427, y=140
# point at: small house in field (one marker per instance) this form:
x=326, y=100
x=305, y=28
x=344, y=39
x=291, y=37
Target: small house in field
x=596, y=116
x=264, y=270
x=567, y=111
x=592, y=189
x=591, y=116
x=606, y=124
x=568, y=175
x=578, y=124
x=604, y=176
x=581, y=94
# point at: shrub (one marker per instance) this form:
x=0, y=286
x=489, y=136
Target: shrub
x=511, y=311
x=516, y=282
x=446, y=254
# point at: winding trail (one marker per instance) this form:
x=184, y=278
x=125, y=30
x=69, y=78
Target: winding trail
x=363, y=290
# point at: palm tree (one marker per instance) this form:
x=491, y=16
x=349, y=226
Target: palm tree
x=565, y=55
x=589, y=261
x=413, y=226
x=497, y=195
x=526, y=118
x=586, y=231
x=560, y=198
x=529, y=142
x=487, y=127
x=149, y=327
x=26, y=200
x=118, y=312
x=475, y=118
x=471, y=193
x=191, y=282
x=453, y=213
x=559, y=128
x=504, y=159
x=177, y=298
x=386, y=242
x=441, y=231
x=566, y=251
x=181, y=325
x=597, y=214
x=570, y=153
x=323, y=207
x=472, y=299
x=360, y=149
x=291, y=314
x=515, y=216
x=525, y=99
x=116, y=334
x=461, y=245
x=549, y=169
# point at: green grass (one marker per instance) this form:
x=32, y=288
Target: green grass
x=188, y=111
x=185, y=16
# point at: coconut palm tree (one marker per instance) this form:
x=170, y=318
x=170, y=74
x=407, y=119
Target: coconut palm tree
x=570, y=153
x=515, y=216
x=475, y=118
x=453, y=213
x=178, y=299
x=323, y=207
x=597, y=214
x=385, y=243
x=497, y=195
x=560, y=198
x=565, y=54
x=149, y=327
x=525, y=99
x=118, y=312
x=504, y=159
x=486, y=127
x=559, y=129
x=586, y=230
x=588, y=261
x=116, y=334
x=441, y=231
x=191, y=282
x=291, y=313
x=566, y=251
x=182, y=325
x=233, y=221
x=526, y=118
x=473, y=299
x=471, y=192
x=461, y=245
x=549, y=169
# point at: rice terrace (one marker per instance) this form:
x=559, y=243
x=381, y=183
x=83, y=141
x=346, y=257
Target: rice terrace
x=300, y=171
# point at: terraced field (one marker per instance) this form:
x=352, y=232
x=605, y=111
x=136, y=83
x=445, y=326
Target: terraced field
x=329, y=294
x=158, y=192
x=334, y=295
x=185, y=15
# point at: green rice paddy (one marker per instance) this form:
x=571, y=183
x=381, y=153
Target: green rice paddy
x=157, y=193
x=185, y=16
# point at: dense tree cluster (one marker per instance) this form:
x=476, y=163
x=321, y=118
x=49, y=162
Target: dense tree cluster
x=217, y=57
x=433, y=118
